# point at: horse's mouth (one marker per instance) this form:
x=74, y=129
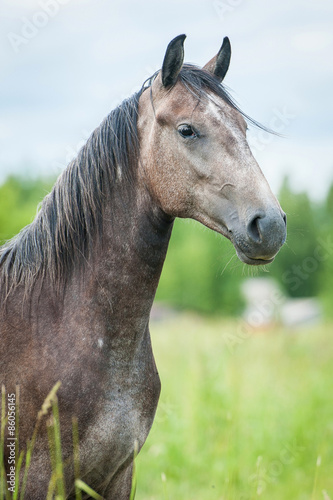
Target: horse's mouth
x=250, y=260
x=243, y=257
x=228, y=233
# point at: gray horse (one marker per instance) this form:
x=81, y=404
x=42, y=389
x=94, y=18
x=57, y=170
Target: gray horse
x=77, y=285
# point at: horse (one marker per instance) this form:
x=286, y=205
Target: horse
x=77, y=284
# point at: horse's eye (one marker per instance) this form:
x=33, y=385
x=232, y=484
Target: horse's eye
x=186, y=131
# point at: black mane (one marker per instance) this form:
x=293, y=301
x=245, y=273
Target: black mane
x=71, y=214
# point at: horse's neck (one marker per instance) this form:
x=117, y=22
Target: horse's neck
x=126, y=267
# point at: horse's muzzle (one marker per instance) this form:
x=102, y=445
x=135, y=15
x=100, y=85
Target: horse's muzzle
x=262, y=238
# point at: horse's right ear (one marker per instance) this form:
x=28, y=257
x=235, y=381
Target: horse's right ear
x=173, y=61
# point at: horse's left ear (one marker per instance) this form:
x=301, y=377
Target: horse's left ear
x=173, y=60
x=219, y=65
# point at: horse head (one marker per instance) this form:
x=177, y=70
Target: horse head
x=195, y=158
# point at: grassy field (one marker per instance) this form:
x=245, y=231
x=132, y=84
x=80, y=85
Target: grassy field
x=240, y=420
x=242, y=415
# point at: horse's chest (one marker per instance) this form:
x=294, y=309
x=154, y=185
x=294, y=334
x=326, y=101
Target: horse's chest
x=124, y=415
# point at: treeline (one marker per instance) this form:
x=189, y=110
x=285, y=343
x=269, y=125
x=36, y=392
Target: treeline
x=201, y=271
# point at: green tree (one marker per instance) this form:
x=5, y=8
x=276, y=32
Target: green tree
x=196, y=273
x=19, y=198
x=296, y=266
x=326, y=240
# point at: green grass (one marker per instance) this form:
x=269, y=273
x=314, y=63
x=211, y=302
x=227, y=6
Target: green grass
x=240, y=422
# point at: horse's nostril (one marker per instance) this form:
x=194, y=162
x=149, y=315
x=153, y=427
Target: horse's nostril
x=253, y=230
x=284, y=217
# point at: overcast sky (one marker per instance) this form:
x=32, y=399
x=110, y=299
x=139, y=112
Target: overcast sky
x=66, y=63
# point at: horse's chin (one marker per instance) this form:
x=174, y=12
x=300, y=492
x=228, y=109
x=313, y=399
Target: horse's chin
x=252, y=261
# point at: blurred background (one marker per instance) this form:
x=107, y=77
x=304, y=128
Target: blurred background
x=245, y=355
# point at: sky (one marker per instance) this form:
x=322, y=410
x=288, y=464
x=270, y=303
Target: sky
x=65, y=64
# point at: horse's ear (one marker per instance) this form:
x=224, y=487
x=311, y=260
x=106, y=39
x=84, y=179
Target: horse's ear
x=173, y=60
x=219, y=65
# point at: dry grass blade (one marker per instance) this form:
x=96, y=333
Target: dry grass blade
x=30, y=446
x=76, y=457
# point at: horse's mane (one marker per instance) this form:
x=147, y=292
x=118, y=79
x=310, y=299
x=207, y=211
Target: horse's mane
x=71, y=215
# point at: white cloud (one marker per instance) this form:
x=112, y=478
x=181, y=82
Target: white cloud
x=92, y=54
